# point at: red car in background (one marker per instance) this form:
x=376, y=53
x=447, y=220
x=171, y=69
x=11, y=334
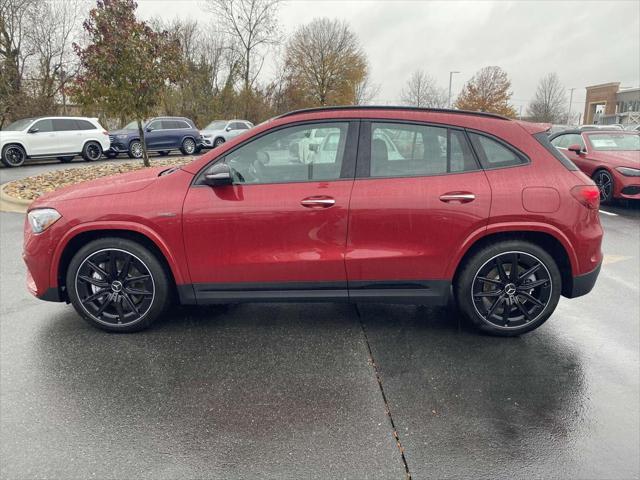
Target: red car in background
x=396, y=205
x=611, y=158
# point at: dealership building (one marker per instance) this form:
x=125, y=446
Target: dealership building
x=608, y=103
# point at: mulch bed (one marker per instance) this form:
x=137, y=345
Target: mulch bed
x=31, y=188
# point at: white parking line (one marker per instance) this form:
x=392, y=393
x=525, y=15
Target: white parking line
x=608, y=213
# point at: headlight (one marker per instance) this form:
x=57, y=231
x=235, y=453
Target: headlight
x=42, y=218
x=122, y=137
x=629, y=172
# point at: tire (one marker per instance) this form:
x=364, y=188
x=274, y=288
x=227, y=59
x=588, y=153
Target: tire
x=188, y=146
x=135, y=149
x=13, y=155
x=218, y=141
x=606, y=184
x=66, y=159
x=105, y=299
x=109, y=154
x=496, y=303
x=91, y=151
x=163, y=153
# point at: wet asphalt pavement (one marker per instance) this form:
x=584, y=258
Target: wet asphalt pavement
x=291, y=391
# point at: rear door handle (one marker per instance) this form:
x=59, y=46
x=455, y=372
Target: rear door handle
x=457, y=197
x=318, y=202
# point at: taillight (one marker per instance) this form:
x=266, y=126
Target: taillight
x=588, y=195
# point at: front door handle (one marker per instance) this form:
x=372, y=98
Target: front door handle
x=457, y=197
x=318, y=202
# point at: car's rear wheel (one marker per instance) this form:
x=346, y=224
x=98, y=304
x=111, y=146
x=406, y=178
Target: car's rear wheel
x=13, y=155
x=117, y=285
x=66, y=159
x=508, y=288
x=188, y=146
x=135, y=149
x=92, y=151
x=604, y=181
x=218, y=141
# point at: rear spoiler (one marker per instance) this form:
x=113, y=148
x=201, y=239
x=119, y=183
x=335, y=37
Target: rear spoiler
x=534, y=128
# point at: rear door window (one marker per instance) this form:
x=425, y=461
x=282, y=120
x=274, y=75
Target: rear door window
x=402, y=150
x=64, y=125
x=495, y=154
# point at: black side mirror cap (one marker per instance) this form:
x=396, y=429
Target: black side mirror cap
x=33, y=130
x=218, y=175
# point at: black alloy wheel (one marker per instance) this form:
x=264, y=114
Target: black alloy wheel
x=91, y=152
x=118, y=285
x=13, y=155
x=511, y=289
x=604, y=181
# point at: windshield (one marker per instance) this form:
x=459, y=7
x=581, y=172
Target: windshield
x=615, y=141
x=217, y=125
x=19, y=125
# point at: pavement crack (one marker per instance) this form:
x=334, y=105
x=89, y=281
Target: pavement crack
x=387, y=407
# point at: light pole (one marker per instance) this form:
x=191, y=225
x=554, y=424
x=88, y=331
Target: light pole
x=570, y=102
x=450, y=78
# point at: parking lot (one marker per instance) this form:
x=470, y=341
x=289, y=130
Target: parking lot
x=303, y=390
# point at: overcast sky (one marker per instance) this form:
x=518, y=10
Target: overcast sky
x=585, y=42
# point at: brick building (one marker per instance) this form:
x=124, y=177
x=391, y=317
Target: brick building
x=607, y=103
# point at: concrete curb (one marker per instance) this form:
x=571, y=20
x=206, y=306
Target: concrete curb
x=11, y=204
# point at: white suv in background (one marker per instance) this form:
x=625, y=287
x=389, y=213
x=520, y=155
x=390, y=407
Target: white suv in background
x=60, y=137
x=219, y=131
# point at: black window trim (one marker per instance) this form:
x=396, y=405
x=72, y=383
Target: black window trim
x=363, y=162
x=348, y=168
x=519, y=153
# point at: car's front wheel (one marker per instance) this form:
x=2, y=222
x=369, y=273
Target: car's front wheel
x=135, y=149
x=92, y=151
x=188, y=146
x=604, y=181
x=117, y=285
x=218, y=141
x=13, y=155
x=508, y=288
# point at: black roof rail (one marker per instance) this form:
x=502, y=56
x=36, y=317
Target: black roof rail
x=391, y=107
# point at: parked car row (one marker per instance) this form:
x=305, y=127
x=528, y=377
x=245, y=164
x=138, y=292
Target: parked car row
x=67, y=137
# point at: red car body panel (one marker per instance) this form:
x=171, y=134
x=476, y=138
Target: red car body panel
x=379, y=229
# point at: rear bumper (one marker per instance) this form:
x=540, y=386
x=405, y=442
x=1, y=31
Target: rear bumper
x=583, y=284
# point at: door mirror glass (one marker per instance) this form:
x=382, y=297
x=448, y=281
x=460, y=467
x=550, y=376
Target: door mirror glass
x=575, y=148
x=217, y=175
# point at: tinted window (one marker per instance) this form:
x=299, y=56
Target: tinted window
x=238, y=126
x=64, y=124
x=175, y=124
x=85, y=125
x=494, y=154
x=290, y=155
x=43, y=125
x=399, y=150
x=156, y=125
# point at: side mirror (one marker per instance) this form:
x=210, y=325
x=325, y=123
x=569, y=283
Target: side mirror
x=148, y=129
x=228, y=129
x=33, y=130
x=575, y=148
x=218, y=175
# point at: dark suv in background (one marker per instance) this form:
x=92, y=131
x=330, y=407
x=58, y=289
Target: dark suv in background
x=162, y=134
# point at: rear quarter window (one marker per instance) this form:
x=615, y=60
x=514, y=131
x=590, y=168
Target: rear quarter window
x=495, y=154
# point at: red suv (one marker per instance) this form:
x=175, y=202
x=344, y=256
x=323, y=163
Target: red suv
x=351, y=204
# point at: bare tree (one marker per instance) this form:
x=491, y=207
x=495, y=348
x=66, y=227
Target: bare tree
x=254, y=24
x=422, y=91
x=366, y=91
x=325, y=60
x=549, y=103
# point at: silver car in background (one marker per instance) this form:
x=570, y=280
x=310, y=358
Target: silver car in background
x=219, y=131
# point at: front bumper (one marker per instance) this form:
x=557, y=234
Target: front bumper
x=626, y=187
x=583, y=284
